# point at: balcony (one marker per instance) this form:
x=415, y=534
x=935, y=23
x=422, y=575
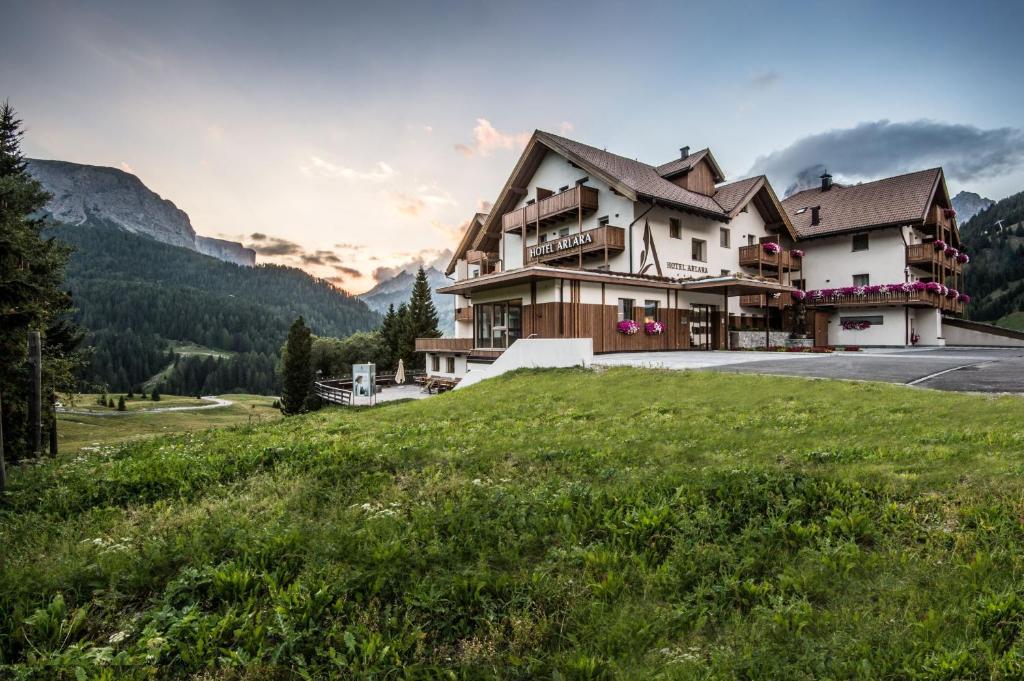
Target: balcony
x=464, y=314
x=912, y=298
x=926, y=257
x=937, y=217
x=756, y=257
x=552, y=209
x=444, y=344
x=481, y=258
x=570, y=246
x=784, y=299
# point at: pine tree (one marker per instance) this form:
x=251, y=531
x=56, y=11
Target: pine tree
x=110, y=402
x=155, y=395
x=120, y=403
x=389, y=335
x=297, y=369
x=31, y=290
x=418, y=319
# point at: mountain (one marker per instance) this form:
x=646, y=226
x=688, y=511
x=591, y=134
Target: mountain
x=994, y=240
x=160, y=314
x=398, y=289
x=969, y=204
x=97, y=195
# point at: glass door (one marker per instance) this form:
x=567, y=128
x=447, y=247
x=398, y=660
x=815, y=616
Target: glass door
x=700, y=326
x=498, y=325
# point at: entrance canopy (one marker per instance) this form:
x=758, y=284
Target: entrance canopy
x=734, y=285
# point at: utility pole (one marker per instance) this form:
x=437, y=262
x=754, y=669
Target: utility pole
x=35, y=402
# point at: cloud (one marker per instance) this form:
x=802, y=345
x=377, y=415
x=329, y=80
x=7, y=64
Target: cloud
x=350, y=247
x=877, y=149
x=350, y=271
x=127, y=168
x=426, y=196
x=257, y=236
x=427, y=258
x=271, y=245
x=318, y=167
x=764, y=79
x=487, y=139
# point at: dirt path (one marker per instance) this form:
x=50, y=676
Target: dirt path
x=217, y=403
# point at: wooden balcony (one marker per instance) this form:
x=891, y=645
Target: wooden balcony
x=464, y=314
x=937, y=217
x=926, y=257
x=912, y=298
x=569, y=246
x=756, y=257
x=784, y=299
x=444, y=344
x=553, y=209
x=481, y=258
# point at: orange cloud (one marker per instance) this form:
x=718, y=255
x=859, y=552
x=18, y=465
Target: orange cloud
x=487, y=139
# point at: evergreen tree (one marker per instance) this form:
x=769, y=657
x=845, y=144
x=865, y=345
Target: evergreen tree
x=120, y=403
x=110, y=403
x=418, y=319
x=389, y=336
x=31, y=293
x=155, y=395
x=297, y=369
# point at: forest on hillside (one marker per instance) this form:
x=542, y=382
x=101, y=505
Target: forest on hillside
x=994, y=240
x=139, y=298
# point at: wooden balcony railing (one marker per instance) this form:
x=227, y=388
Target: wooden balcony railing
x=926, y=256
x=464, y=314
x=569, y=246
x=552, y=209
x=937, y=216
x=481, y=257
x=914, y=298
x=756, y=257
x=784, y=299
x=444, y=344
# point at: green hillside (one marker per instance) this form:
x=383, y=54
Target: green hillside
x=140, y=298
x=556, y=525
x=994, y=238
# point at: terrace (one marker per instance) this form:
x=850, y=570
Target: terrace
x=575, y=200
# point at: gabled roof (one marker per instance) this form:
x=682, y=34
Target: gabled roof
x=636, y=181
x=682, y=165
x=899, y=200
x=468, y=237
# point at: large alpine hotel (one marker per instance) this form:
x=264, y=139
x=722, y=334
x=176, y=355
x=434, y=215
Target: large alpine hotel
x=582, y=243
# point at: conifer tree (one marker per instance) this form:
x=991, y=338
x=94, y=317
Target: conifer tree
x=418, y=319
x=110, y=403
x=31, y=290
x=297, y=369
x=389, y=335
x=155, y=395
x=120, y=403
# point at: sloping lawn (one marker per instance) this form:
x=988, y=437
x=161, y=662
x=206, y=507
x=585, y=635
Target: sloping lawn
x=558, y=525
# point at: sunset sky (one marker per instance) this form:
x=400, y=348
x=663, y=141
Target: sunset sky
x=354, y=139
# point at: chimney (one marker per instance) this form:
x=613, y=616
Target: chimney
x=826, y=182
x=816, y=215
x=684, y=152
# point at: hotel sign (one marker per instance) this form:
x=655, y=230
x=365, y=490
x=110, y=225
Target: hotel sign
x=562, y=244
x=702, y=269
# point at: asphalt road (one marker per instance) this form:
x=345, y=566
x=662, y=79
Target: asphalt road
x=992, y=370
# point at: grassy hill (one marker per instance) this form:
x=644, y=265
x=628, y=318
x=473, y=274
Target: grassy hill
x=994, y=238
x=558, y=525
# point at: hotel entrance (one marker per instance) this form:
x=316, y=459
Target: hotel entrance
x=702, y=329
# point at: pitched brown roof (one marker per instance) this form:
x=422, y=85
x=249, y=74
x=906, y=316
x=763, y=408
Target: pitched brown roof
x=899, y=200
x=729, y=195
x=680, y=165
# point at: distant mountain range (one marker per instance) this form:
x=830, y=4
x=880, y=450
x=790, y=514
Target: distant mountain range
x=398, y=289
x=969, y=204
x=92, y=195
x=145, y=287
x=994, y=240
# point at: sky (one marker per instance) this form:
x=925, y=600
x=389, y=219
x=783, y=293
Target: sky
x=357, y=139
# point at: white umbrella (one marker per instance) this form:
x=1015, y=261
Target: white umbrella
x=400, y=374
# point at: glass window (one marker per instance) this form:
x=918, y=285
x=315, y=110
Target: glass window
x=873, y=320
x=482, y=314
x=861, y=279
x=625, y=309
x=563, y=232
x=751, y=240
x=699, y=250
x=498, y=325
x=724, y=237
x=449, y=365
x=650, y=311
x=860, y=242
x=675, y=228
x=435, y=363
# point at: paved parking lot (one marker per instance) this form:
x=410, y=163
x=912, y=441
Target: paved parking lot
x=958, y=369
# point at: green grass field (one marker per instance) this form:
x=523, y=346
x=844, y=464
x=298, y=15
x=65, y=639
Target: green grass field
x=75, y=431
x=1014, y=320
x=557, y=525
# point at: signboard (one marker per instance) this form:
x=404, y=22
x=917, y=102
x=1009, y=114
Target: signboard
x=364, y=380
x=687, y=268
x=563, y=244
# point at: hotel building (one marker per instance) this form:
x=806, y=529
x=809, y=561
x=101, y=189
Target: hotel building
x=583, y=243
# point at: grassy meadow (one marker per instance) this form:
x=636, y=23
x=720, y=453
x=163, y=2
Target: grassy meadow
x=105, y=428
x=559, y=525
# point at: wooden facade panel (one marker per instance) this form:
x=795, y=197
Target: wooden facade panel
x=580, y=320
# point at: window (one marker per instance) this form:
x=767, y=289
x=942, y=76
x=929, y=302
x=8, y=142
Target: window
x=699, y=250
x=861, y=279
x=498, y=325
x=435, y=362
x=675, y=228
x=563, y=232
x=860, y=242
x=650, y=311
x=602, y=221
x=874, y=320
x=751, y=240
x=625, y=309
x=449, y=364
x=543, y=238
x=726, y=273
x=723, y=237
